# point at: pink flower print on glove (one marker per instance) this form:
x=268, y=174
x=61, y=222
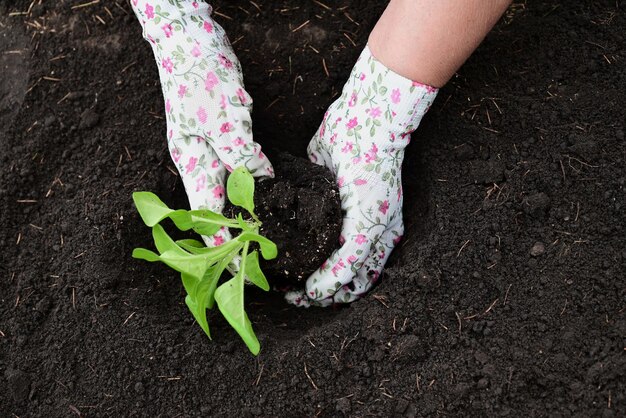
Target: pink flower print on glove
x=365, y=155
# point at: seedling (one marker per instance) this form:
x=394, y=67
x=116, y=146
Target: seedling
x=201, y=267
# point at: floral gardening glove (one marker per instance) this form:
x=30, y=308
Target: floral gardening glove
x=362, y=140
x=209, y=129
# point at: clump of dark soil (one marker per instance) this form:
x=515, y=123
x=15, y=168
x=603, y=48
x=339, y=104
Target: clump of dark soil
x=507, y=296
x=301, y=212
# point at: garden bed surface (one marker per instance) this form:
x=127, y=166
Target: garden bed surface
x=506, y=297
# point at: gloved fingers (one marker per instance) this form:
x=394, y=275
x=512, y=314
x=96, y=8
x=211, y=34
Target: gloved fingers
x=342, y=265
x=369, y=273
x=229, y=130
x=297, y=298
x=203, y=177
x=202, y=172
x=317, y=151
x=372, y=266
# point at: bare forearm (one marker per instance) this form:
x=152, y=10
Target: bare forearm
x=428, y=40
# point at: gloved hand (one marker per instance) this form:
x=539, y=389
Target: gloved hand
x=362, y=140
x=209, y=129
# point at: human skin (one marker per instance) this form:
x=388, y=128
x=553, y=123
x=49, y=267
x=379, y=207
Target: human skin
x=428, y=40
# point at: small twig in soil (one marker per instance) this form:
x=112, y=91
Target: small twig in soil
x=128, y=66
x=258, y=379
x=171, y=170
x=458, y=318
x=79, y=6
x=129, y=316
x=128, y=153
x=273, y=102
x=382, y=300
x=301, y=26
x=417, y=382
x=404, y=324
x=345, y=344
x=325, y=67
x=294, y=84
x=75, y=410
x=506, y=295
x=349, y=39
x=350, y=19
x=222, y=15
x=564, y=307
x=491, y=306
x=63, y=98
x=463, y=246
x=237, y=40
x=306, y=372
x=256, y=5
x=319, y=3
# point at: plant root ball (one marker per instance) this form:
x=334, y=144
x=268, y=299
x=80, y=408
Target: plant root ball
x=301, y=212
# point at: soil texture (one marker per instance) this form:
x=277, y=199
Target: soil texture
x=507, y=296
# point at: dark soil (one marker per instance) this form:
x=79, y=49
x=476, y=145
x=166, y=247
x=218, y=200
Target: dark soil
x=506, y=298
x=301, y=212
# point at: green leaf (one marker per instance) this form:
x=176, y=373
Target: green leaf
x=217, y=274
x=194, y=265
x=243, y=225
x=203, y=215
x=268, y=248
x=254, y=273
x=143, y=254
x=240, y=189
x=211, y=253
x=206, y=222
x=164, y=242
x=201, y=295
x=151, y=209
x=199, y=314
x=229, y=297
x=194, y=243
x=189, y=283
